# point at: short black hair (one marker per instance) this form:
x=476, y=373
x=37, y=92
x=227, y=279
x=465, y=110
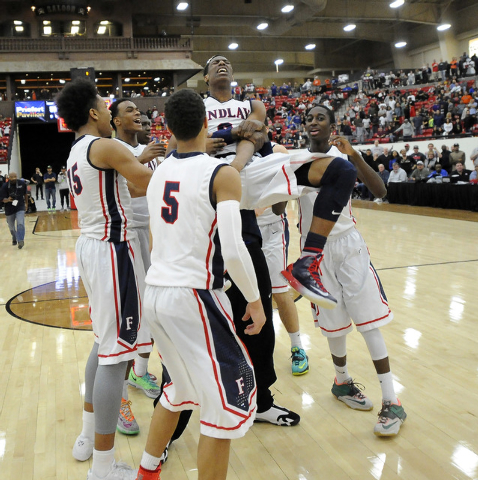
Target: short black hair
x=114, y=110
x=330, y=113
x=75, y=101
x=206, y=67
x=185, y=113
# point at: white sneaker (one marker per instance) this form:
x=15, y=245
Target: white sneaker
x=278, y=415
x=378, y=200
x=119, y=471
x=83, y=448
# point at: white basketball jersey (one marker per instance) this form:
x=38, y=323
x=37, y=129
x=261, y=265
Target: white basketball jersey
x=139, y=204
x=221, y=115
x=101, y=195
x=186, y=249
x=306, y=208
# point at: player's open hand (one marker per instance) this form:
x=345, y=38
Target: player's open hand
x=255, y=312
x=214, y=145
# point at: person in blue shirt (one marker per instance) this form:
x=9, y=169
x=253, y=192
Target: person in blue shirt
x=439, y=172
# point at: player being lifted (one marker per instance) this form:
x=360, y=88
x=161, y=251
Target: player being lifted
x=277, y=177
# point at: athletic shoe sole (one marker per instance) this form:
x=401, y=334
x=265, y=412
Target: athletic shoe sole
x=318, y=300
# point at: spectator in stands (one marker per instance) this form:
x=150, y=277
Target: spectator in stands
x=420, y=174
x=443, y=69
x=395, y=159
x=445, y=159
x=411, y=78
x=397, y=175
x=383, y=173
x=416, y=155
x=273, y=89
x=431, y=160
x=377, y=149
x=457, y=156
x=474, y=156
x=407, y=163
x=359, y=129
x=447, y=127
x=418, y=123
x=460, y=174
x=407, y=130
x=438, y=173
x=385, y=157
x=474, y=175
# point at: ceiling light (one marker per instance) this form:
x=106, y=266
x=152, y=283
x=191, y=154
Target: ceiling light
x=62, y=81
x=19, y=28
x=75, y=22
x=46, y=22
x=182, y=6
x=23, y=82
x=397, y=3
x=127, y=79
x=234, y=84
x=350, y=27
x=104, y=22
x=75, y=29
x=17, y=22
x=262, y=26
x=279, y=61
x=310, y=46
x=287, y=8
x=101, y=30
x=47, y=30
x=233, y=46
x=400, y=44
x=443, y=26
x=156, y=79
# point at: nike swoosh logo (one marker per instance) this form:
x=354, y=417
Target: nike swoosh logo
x=360, y=402
x=386, y=427
x=335, y=213
x=302, y=365
x=273, y=233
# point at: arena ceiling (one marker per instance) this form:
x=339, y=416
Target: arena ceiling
x=214, y=24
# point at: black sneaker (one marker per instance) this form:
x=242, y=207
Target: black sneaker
x=14, y=242
x=278, y=416
x=20, y=244
x=304, y=277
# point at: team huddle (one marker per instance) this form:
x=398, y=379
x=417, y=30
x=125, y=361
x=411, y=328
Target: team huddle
x=159, y=241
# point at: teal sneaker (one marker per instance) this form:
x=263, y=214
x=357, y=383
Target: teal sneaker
x=350, y=393
x=300, y=361
x=390, y=419
x=144, y=383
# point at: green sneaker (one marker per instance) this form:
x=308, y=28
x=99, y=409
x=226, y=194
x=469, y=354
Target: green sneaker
x=144, y=383
x=350, y=393
x=390, y=419
x=300, y=361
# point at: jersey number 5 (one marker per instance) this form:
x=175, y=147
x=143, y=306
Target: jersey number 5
x=74, y=180
x=170, y=213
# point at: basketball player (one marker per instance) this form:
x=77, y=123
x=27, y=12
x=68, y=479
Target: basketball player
x=110, y=268
x=349, y=275
x=126, y=121
x=274, y=228
x=195, y=231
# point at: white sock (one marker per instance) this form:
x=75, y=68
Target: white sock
x=88, y=425
x=295, y=339
x=341, y=373
x=148, y=462
x=140, y=366
x=125, y=390
x=386, y=383
x=102, y=462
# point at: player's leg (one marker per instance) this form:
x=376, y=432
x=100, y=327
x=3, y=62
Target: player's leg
x=392, y=414
x=126, y=422
x=213, y=458
x=11, y=226
x=336, y=179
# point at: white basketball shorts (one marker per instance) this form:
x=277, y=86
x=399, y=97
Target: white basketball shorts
x=113, y=276
x=208, y=366
x=350, y=277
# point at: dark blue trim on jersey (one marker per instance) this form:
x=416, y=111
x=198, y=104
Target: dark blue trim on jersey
x=116, y=219
x=76, y=140
x=231, y=360
x=186, y=155
x=128, y=292
x=211, y=182
x=126, y=143
x=286, y=235
x=88, y=157
x=217, y=266
x=382, y=291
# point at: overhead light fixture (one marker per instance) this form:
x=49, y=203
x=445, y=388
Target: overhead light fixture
x=262, y=26
x=182, y=6
x=88, y=9
x=19, y=28
x=443, y=27
x=46, y=22
x=75, y=29
x=279, y=61
x=62, y=81
x=397, y=3
x=104, y=22
x=75, y=22
x=350, y=27
x=233, y=46
x=127, y=80
x=310, y=46
x=400, y=44
x=17, y=22
x=234, y=84
x=47, y=30
x=287, y=8
x=23, y=82
x=101, y=30
x=157, y=79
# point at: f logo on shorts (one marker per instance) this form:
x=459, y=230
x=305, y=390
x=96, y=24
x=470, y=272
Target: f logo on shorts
x=240, y=385
x=129, y=321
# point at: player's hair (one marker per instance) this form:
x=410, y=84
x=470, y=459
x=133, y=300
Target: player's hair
x=206, y=67
x=75, y=101
x=114, y=110
x=185, y=113
x=330, y=113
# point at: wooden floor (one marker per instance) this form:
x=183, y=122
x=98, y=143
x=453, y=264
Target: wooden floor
x=429, y=268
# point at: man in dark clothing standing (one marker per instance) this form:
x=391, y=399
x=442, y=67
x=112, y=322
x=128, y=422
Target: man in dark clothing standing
x=37, y=179
x=50, y=181
x=14, y=197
